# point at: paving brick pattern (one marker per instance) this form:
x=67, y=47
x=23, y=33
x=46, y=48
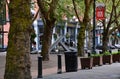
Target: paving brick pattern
x=50, y=69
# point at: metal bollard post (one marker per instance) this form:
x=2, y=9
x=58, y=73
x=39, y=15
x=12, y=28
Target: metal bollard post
x=100, y=52
x=89, y=54
x=59, y=64
x=39, y=66
x=119, y=50
x=110, y=51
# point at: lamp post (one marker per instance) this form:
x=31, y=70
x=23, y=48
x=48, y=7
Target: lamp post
x=94, y=24
x=100, y=35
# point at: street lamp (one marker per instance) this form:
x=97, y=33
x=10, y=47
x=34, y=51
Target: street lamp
x=98, y=14
x=94, y=24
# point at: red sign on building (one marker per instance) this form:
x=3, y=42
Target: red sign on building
x=100, y=13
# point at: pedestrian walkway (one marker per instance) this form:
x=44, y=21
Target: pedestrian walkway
x=2, y=53
x=102, y=72
x=50, y=69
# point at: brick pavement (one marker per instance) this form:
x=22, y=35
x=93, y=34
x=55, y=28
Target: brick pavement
x=50, y=70
x=102, y=72
x=49, y=67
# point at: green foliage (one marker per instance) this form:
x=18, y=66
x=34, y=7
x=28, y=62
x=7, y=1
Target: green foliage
x=64, y=8
x=80, y=6
x=96, y=55
x=115, y=52
x=33, y=35
x=119, y=51
x=55, y=36
x=67, y=35
x=106, y=53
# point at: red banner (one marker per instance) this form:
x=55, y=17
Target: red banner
x=100, y=13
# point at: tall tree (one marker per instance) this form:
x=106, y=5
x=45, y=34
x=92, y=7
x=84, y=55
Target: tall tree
x=48, y=14
x=18, y=51
x=83, y=24
x=112, y=23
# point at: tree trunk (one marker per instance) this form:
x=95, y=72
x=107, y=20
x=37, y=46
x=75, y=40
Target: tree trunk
x=18, y=52
x=84, y=24
x=46, y=42
x=18, y=58
x=105, y=41
x=105, y=38
x=48, y=14
x=81, y=38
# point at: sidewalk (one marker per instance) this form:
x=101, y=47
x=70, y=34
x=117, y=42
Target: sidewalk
x=102, y=72
x=49, y=67
x=50, y=70
x=2, y=64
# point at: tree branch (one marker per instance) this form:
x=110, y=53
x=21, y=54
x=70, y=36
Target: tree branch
x=114, y=14
x=76, y=11
x=118, y=3
x=53, y=5
x=35, y=16
x=42, y=8
x=112, y=30
x=7, y=2
x=87, y=9
x=111, y=14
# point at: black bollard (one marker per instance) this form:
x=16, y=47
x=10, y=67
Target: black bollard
x=110, y=51
x=89, y=54
x=100, y=52
x=119, y=50
x=39, y=66
x=59, y=64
